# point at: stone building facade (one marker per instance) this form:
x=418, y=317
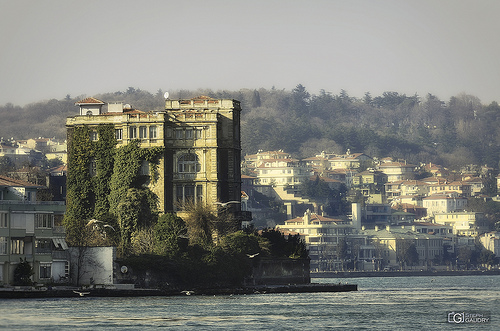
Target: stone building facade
x=201, y=141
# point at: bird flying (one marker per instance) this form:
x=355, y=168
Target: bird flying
x=81, y=293
x=224, y=204
x=109, y=226
x=93, y=221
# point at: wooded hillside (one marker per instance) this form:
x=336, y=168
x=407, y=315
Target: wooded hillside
x=454, y=132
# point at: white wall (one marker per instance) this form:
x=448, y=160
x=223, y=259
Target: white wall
x=97, y=263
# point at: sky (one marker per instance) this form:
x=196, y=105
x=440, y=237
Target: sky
x=53, y=48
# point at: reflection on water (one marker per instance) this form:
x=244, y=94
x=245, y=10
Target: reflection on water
x=380, y=303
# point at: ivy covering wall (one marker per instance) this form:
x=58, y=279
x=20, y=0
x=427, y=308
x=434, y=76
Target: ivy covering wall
x=114, y=192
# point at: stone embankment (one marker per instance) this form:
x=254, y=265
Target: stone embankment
x=19, y=293
x=357, y=274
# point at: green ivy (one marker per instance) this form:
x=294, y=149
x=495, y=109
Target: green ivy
x=116, y=190
x=134, y=205
x=79, y=195
x=104, y=150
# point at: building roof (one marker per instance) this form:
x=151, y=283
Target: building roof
x=316, y=218
x=473, y=180
x=61, y=168
x=440, y=196
x=352, y=156
x=315, y=158
x=429, y=224
x=89, y=101
x=431, y=180
x=325, y=179
x=10, y=182
x=410, y=206
x=396, y=165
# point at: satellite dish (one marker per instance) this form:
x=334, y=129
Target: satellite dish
x=166, y=95
x=124, y=269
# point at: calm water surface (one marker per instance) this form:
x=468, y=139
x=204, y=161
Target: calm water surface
x=395, y=303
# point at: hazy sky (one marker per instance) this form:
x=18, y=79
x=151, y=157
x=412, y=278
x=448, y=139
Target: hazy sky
x=52, y=48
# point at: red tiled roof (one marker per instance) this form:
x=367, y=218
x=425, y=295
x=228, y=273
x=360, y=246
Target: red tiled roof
x=203, y=97
x=325, y=179
x=396, y=164
x=427, y=224
x=59, y=168
x=435, y=197
x=7, y=181
x=89, y=101
x=315, y=217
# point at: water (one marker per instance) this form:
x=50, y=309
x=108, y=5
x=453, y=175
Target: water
x=391, y=303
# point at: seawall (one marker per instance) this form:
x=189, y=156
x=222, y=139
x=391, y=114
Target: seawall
x=11, y=293
x=357, y=274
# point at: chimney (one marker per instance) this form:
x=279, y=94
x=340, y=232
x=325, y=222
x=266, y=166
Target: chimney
x=307, y=217
x=116, y=107
x=376, y=227
x=356, y=216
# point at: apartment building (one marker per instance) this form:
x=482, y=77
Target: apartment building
x=31, y=230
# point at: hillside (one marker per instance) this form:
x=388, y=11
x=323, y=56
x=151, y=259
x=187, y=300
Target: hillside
x=453, y=133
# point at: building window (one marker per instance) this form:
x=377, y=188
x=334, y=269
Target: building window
x=189, y=133
x=3, y=220
x=45, y=270
x=92, y=167
x=132, y=132
x=152, y=132
x=119, y=134
x=94, y=136
x=186, y=193
x=3, y=245
x=17, y=246
x=144, y=168
x=143, y=132
x=179, y=134
x=188, y=163
x=198, y=133
x=43, y=221
x=169, y=132
x=43, y=246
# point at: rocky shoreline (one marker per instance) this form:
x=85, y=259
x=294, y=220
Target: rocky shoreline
x=19, y=293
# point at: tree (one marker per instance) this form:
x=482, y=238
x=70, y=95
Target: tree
x=341, y=250
x=487, y=257
x=143, y=241
x=406, y=252
x=200, y=220
x=6, y=165
x=134, y=213
x=23, y=273
x=285, y=246
x=170, y=235
x=468, y=255
x=300, y=100
x=244, y=243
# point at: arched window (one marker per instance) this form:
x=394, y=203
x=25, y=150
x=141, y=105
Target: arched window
x=188, y=163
